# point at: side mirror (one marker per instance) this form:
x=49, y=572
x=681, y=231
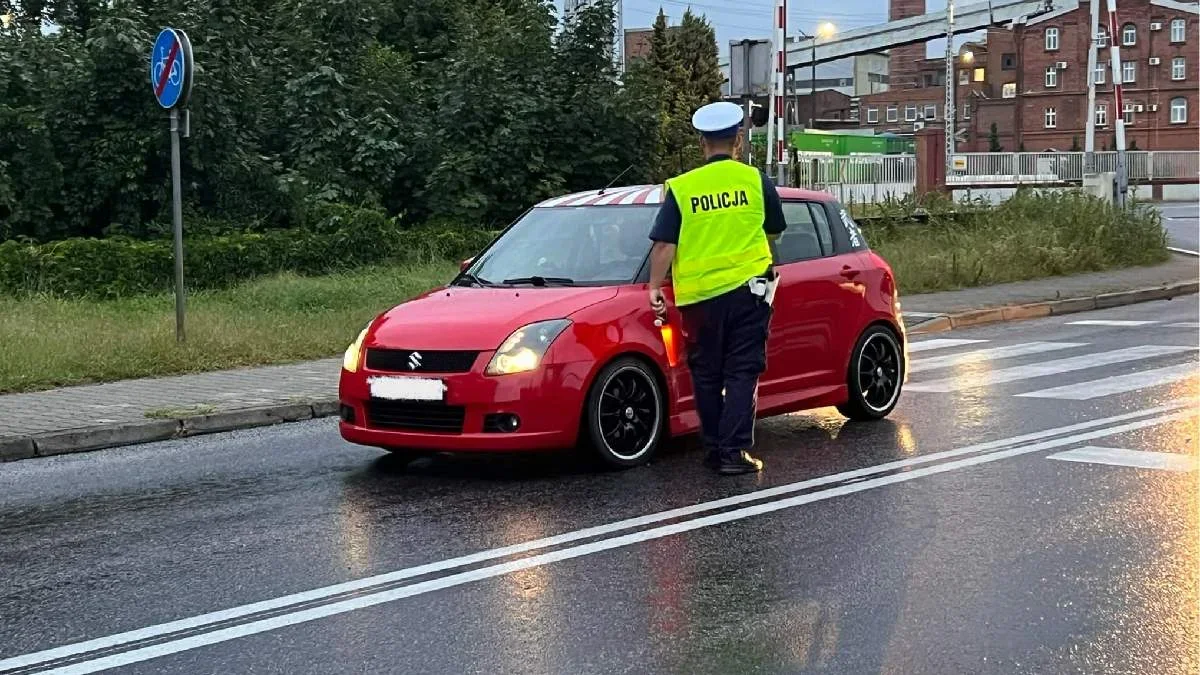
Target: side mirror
x=462, y=266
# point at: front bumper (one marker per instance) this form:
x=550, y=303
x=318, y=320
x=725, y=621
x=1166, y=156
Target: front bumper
x=548, y=402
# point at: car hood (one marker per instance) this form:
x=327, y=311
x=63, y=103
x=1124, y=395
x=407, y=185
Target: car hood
x=476, y=319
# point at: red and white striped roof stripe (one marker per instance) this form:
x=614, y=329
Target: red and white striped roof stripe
x=637, y=194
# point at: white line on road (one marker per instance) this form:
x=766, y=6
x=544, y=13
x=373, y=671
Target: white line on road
x=992, y=354
x=1184, y=324
x=204, y=620
x=940, y=343
x=1139, y=459
x=391, y=595
x=1109, y=322
x=1185, y=251
x=1117, y=384
x=1045, y=368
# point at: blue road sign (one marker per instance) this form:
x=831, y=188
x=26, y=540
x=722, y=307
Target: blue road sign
x=171, y=68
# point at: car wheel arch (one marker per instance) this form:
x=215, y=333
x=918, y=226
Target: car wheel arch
x=651, y=364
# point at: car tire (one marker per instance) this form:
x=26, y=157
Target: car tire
x=625, y=414
x=874, y=376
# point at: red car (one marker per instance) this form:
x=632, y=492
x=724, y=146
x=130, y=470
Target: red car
x=546, y=340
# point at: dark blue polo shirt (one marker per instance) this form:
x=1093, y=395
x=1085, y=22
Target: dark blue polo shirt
x=669, y=219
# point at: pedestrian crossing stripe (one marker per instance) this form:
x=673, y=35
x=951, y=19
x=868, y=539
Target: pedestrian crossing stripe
x=1009, y=351
x=1140, y=459
x=939, y=343
x=1118, y=384
x=1045, y=368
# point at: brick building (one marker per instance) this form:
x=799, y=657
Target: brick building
x=1030, y=81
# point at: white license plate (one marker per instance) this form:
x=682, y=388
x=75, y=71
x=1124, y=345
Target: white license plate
x=407, y=388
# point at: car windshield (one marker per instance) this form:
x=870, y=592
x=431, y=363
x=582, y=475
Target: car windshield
x=571, y=245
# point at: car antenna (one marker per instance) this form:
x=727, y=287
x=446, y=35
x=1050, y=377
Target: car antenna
x=613, y=181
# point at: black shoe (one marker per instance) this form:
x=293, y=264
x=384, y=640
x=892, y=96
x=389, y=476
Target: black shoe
x=742, y=463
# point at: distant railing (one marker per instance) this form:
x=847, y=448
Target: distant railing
x=1022, y=168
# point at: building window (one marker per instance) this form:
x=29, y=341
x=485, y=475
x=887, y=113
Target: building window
x=964, y=77
x=1008, y=62
x=910, y=113
x=980, y=74
x=1009, y=90
x=931, y=112
x=1179, y=110
x=893, y=114
x=966, y=111
x=1128, y=114
x=1051, y=118
x=1178, y=30
x=1129, y=35
x=1128, y=72
x=1100, y=74
x=1051, y=76
x=1051, y=39
x=872, y=115
x=1178, y=68
x=1102, y=37
x=1102, y=114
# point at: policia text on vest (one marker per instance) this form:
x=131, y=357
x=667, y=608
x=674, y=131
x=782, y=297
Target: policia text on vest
x=721, y=200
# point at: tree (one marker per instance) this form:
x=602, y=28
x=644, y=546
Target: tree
x=994, y=139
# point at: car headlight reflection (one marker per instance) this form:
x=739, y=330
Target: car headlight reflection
x=353, y=356
x=524, y=349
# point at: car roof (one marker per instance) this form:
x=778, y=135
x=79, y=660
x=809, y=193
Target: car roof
x=653, y=194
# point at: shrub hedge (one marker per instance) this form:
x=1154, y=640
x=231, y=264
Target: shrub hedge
x=343, y=238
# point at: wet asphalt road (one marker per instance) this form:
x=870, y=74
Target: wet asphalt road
x=971, y=550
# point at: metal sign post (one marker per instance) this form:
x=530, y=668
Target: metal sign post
x=1114, y=27
x=171, y=80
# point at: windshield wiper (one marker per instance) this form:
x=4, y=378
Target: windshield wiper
x=542, y=281
x=471, y=278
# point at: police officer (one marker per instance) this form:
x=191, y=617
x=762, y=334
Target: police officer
x=714, y=232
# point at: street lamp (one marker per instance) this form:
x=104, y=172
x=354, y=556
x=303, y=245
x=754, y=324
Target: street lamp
x=825, y=31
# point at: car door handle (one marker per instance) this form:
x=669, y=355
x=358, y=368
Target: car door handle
x=849, y=272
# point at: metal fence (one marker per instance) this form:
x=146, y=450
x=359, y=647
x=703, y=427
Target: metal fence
x=858, y=178
x=1025, y=168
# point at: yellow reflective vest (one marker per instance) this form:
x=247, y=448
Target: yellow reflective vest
x=722, y=244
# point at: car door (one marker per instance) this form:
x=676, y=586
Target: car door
x=817, y=285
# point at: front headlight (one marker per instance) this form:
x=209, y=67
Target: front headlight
x=524, y=349
x=353, y=356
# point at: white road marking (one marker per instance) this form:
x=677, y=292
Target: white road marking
x=1185, y=324
x=1185, y=251
x=1139, y=459
x=1117, y=384
x=1109, y=322
x=991, y=354
x=939, y=343
x=999, y=449
x=976, y=380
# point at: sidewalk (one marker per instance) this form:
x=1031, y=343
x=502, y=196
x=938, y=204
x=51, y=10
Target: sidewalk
x=90, y=417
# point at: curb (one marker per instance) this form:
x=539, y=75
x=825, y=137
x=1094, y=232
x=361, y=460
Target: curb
x=149, y=431
x=1033, y=310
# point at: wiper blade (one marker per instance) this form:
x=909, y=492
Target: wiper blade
x=471, y=278
x=542, y=281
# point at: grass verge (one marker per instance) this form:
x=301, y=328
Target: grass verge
x=47, y=342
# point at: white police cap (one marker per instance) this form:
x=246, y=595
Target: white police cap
x=718, y=120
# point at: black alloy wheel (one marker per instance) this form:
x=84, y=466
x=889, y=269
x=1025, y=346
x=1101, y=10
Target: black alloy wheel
x=625, y=418
x=875, y=375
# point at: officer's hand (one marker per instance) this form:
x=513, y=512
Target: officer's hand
x=658, y=302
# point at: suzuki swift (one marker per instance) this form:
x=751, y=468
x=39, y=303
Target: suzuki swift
x=546, y=340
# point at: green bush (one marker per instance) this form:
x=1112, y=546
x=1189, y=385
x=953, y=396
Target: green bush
x=341, y=238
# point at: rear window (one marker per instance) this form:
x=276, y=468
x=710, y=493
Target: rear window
x=589, y=245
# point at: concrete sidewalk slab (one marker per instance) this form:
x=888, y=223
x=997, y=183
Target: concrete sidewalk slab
x=75, y=419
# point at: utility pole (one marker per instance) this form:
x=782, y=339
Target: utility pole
x=949, y=112
x=1089, y=143
x=1118, y=95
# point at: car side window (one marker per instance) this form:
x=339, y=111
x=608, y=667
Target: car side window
x=800, y=240
x=824, y=233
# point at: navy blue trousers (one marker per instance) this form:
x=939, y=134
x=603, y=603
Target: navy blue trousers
x=726, y=340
